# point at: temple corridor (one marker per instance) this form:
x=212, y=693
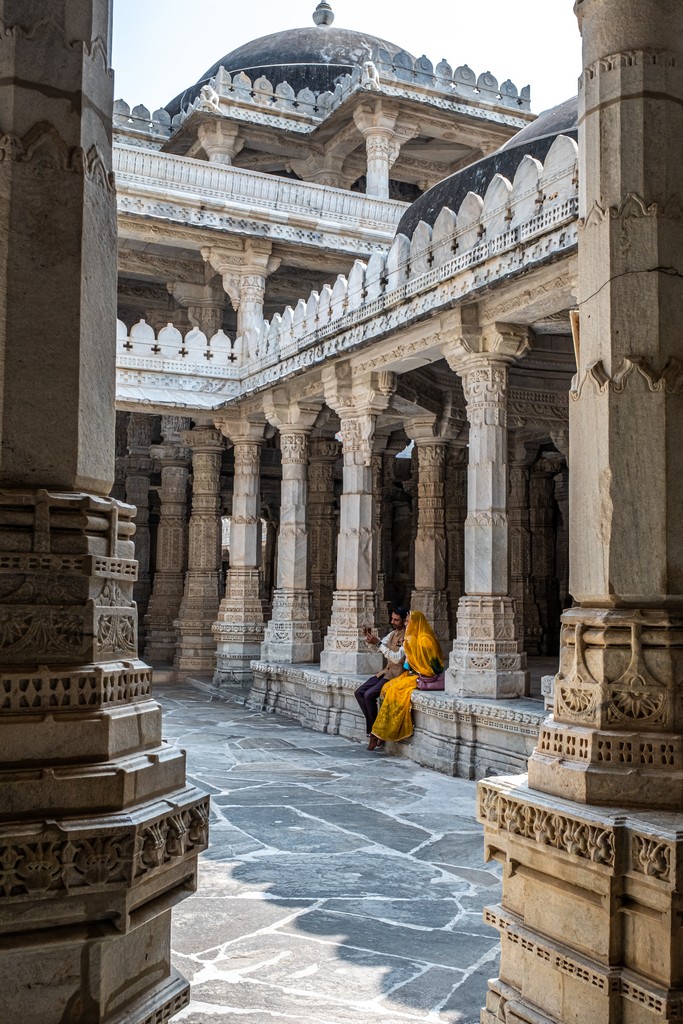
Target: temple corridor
x=339, y=885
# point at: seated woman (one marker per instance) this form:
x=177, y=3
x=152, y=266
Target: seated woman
x=424, y=667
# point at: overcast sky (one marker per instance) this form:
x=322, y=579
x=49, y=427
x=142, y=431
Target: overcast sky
x=163, y=46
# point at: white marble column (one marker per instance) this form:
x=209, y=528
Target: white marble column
x=487, y=658
x=324, y=453
x=354, y=604
x=429, y=594
x=171, y=547
x=592, y=843
x=100, y=833
x=196, y=647
x=291, y=636
x=377, y=122
x=239, y=628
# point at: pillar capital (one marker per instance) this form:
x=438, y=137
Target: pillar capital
x=474, y=345
x=220, y=139
x=241, y=429
x=203, y=438
x=289, y=413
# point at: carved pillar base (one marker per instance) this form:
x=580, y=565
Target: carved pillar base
x=196, y=647
x=487, y=660
x=290, y=637
x=345, y=647
x=239, y=629
x=434, y=604
x=588, y=920
x=100, y=832
x=616, y=732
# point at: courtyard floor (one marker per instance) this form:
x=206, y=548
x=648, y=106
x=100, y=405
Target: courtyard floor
x=340, y=885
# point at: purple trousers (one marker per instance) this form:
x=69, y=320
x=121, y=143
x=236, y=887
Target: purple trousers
x=366, y=695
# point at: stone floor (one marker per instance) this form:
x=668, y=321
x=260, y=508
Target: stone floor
x=340, y=885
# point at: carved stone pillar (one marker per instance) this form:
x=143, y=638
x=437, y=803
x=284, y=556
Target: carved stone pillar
x=527, y=619
x=205, y=304
x=118, y=491
x=100, y=833
x=239, y=628
x=384, y=133
x=324, y=453
x=196, y=648
x=429, y=595
x=590, y=915
x=456, y=513
x=139, y=466
x=487, y=659
x=542, y=520
x=561, y=493
x=379, y=525
x=291, y=636
x=353, y=605
x=171, y=553
x=244, y=278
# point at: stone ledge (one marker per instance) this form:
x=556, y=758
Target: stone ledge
x=469, y=738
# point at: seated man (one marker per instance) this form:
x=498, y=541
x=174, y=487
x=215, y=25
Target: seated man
x=392, y=649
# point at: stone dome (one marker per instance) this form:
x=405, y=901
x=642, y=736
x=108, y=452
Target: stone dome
x=312, y=58
x=535, y=139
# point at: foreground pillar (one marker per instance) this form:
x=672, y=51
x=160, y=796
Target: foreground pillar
x=429, y=595
x=171, y=549
x=354, y=604
x=487, y=658
x=100, y=833
x=239, y=628
x=196, y=647
x=291, y=636
x=590, y=915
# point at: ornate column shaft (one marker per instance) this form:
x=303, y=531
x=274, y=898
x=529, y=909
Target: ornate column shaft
x=171, y=553
x=139, y=466
x=429, y=595
x=322, y=530
x=590, y=913
x=239, y=628
x=354, y=605
x=196, y=648
x=291, y=636
x=487, y=659
x=527, y=620
x=542, y=520
x=456, y=513
x=100, y=833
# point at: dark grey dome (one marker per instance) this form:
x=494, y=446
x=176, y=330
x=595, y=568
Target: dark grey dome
x=312, y=58
x=535, y=139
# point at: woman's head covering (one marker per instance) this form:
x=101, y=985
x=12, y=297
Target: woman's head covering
x=422, y=648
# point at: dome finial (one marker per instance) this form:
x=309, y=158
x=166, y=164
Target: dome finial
x=323, y=14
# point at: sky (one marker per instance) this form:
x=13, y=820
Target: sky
x=163, y=46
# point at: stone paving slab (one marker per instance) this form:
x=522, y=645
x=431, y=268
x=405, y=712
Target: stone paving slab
x=340, y=886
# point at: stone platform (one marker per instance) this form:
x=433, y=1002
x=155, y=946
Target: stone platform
x=467, y=737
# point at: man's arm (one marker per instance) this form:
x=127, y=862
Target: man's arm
x=395, y=657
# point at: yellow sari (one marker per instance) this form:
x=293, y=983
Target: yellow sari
x=424, y=655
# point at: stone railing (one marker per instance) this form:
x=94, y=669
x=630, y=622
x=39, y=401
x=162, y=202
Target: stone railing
x=511, y=214
x=305, y=108
x=169, y=369
x=255, y=191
